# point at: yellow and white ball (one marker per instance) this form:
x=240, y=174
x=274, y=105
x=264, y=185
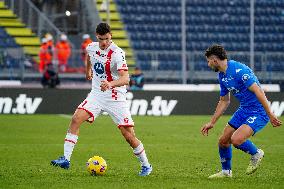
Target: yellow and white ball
x=96, y=166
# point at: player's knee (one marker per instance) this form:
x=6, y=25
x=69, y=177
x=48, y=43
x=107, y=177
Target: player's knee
x=76, y=120
x=223, y=142
x=236, y=141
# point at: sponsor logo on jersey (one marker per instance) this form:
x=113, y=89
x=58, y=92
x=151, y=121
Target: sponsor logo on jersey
x=99, y=68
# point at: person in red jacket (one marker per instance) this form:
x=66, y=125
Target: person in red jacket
x=41, y=55
x=50, y=46
x=86, y=41
x=45, y=57
x=63, y=52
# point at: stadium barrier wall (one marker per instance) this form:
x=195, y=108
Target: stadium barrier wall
x=155, y=103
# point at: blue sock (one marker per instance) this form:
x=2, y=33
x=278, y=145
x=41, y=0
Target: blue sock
x=248, y=147
x=225, y=157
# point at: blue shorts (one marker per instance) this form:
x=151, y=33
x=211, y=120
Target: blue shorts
x=257, y=120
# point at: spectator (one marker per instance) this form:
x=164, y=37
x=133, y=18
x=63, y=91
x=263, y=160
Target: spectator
x=63, y=52
x=50, y=77
x=49, y=48
x=86, y=40
x=43, y=61
x=136, y=80
x=50, y=44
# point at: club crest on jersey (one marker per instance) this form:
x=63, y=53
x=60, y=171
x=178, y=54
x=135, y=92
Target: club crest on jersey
x=245, y=77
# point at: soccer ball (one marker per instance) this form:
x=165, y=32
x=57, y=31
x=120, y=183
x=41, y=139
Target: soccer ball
x=96, y=166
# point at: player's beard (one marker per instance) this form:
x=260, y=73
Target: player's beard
x=215, y=68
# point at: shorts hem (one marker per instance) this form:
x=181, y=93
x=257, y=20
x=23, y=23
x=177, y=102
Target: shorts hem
x=232, y=126
x=125, y=126
x=90, y=113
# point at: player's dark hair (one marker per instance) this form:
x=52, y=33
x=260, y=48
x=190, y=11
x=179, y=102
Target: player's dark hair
x=217, y=50
x=103, y=28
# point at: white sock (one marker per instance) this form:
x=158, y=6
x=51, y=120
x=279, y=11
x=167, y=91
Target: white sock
x=140, y=153
x=70, y=141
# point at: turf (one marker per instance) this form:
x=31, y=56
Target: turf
x=180, y=155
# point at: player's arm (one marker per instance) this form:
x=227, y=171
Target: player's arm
x=123, y=80
x=89, y=71
x=263, y=100
x=220, y=109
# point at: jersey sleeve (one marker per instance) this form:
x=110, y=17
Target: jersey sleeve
x=223, y=89
x=119, y=58
x=90, y=47
x=246, y=77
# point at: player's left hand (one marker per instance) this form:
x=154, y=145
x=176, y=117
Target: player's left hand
x=105, y=85
x=275, y=121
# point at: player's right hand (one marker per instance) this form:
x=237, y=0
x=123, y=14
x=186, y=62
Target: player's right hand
x=89, y=74
x=206, y=128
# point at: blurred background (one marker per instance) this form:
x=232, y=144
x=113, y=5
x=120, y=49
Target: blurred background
x=166, y=39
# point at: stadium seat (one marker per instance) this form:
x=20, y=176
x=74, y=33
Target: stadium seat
x=156, y=25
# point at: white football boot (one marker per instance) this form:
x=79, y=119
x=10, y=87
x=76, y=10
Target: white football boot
x=222, y=174
x=255, y=161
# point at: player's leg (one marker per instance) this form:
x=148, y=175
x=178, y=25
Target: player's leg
x=71, y=138
x=86, y=111
x=138, y=149
x=252, y=125
x=120, y=114
x=225, y=153
x=73, y=132
x=239, y=139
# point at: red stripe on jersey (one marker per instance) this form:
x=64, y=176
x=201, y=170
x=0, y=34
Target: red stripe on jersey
x=107, y=66
x=66, y=140
x=114, y=94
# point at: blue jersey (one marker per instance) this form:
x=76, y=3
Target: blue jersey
x=237, y=80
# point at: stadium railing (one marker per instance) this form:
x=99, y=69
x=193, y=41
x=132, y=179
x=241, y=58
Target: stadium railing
x=157, y=65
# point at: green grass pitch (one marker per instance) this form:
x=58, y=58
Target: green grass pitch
x=180, y=155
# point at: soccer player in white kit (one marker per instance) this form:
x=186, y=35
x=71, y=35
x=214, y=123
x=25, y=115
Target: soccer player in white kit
x=106, y=67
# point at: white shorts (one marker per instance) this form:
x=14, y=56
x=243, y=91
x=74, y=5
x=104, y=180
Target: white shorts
x=118, y=110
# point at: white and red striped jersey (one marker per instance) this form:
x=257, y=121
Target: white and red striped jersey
x=106, y=64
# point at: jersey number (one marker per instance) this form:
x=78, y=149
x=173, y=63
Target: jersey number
x=251, y=119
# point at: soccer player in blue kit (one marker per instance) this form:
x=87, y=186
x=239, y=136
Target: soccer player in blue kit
x=252, y=115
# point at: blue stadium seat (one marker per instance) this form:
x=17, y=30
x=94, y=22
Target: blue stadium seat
x=156, y=25
x=6, y=40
